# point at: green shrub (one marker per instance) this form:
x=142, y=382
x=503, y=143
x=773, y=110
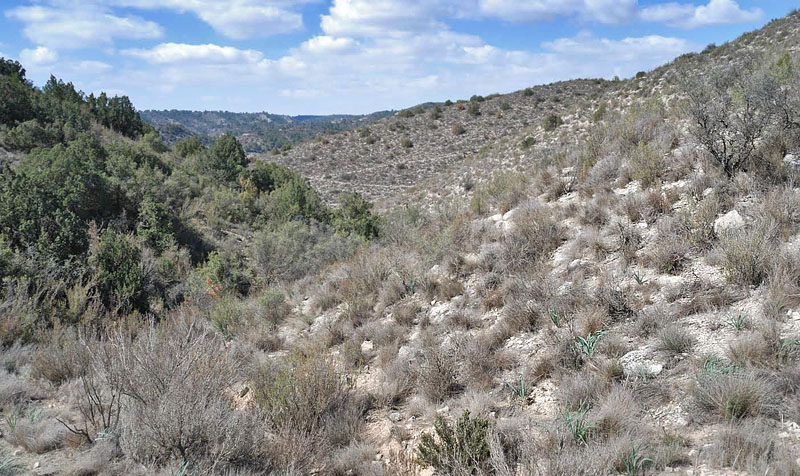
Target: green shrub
x=15, y=100
x=225, y=160
x=294, y=199
x=474, y=109
x=47, y=201
x=188, y=147
x=294, y=249
x=747, y=255
x=154, y=142
x=459, y=449
x=528, y=142
x=301, y=392
x=354, y=215
x=647, y=165
x=600, y=113
x=118, y=274
x=155, y=225
x=551, y=122
x=224, y=272
x=30, y=134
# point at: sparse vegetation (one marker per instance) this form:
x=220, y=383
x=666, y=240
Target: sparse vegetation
x=447, y=286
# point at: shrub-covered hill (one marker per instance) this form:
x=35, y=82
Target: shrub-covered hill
x=610, y=287
x=258, y=132
x=100, y=203
x=440, y=149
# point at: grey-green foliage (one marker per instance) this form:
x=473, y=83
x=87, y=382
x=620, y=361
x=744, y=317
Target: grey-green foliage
x=456, y=449
x=294, y=249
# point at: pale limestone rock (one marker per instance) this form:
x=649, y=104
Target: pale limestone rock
x=728, y=222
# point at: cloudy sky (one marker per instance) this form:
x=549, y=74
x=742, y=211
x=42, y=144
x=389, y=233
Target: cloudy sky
x=353, y=56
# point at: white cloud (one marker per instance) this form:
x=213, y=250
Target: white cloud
x=601, y=11
x=376, y=54
x=80, y=26
x=328, y=44
x=373, y=18
x=234, y=18
x=688, y=16
x=41, y=55
x=585, y=45
x=204, y=54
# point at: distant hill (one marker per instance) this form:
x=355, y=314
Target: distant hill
x=258, y=132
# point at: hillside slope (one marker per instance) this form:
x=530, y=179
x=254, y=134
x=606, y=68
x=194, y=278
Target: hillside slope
x=375, y=161
x=598, y=278
x=258, y=132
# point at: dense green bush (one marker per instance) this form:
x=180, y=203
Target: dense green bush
x=161, y=213
x=48, y=200
x=15, y=100
x=459, y=449
x=354, y=215
x=551, y=122
x=118, y=274
x=188, y=147
x=155, y=225
x=224, y=161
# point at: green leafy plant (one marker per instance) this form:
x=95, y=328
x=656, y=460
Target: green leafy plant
x=586, y=345
x=634, y=462
x=551, y=122
x=715, y=366
x=520, y=391
x=463, y=447
x=183, y=470
x=8, y=464
x=739, y=322
x=555, y=317
x=578, y=424
x=640, y=280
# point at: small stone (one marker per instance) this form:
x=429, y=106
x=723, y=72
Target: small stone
x=730, y=221
x=654, y=369
x=367, y=346
x=36, y=465
x=395, y=417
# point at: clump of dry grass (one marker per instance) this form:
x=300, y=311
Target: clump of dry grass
x=616, y=414
x=535, y=235
x=752, y=446
x=735, y=395
x=702, y=296
x=676, y=339
x=482, y=363
x=61, y=357
x=746, y=256
x=436, y=370
x=783, y=291
x=651, y=320
x=669, y=252
x=37, y=430
x=405, y=312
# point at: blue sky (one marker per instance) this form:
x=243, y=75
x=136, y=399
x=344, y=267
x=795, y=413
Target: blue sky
x=353, y=56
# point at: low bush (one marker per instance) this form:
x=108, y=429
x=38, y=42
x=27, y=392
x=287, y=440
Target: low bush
x=736, y=395
x=459, y=449
x=551, y=122
x=746, y=255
